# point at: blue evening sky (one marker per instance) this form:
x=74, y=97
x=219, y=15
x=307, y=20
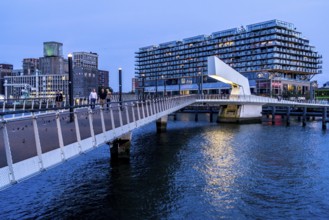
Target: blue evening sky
x=117, y=29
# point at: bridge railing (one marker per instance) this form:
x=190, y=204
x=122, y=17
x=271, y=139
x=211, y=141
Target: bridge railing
x=30, y=104
x=37, y=142
x=260, y=99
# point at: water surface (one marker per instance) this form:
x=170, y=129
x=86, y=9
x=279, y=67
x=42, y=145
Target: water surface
x=197, y=170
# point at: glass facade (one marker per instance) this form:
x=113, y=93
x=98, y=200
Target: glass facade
x=52, y=49
x=273, y=55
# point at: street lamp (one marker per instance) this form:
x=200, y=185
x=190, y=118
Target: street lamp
x=143, y=85
x=156, y=86
x=314, y=85
x=70, y=87
x=164, y=85
x=120, y=87
x=199, y=83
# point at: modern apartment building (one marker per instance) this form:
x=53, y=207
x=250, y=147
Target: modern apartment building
x=274, y=56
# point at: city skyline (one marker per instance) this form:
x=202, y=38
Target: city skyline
x=115, y=31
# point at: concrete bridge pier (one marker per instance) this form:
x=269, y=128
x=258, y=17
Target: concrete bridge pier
x=288, y=116
x=196, y=116
x=324, y=118
x=120, y=147
x=304, y=117
x=211, y=115
x=240, y=114
x=161, y=124
x=273, y=115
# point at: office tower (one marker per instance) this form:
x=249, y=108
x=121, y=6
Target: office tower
x=30, y=66
x=103, y=78
x=85, y=73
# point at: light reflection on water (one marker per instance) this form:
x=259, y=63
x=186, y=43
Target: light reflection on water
x=197, y=170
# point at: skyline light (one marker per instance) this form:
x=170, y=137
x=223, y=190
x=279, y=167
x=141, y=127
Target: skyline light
x=116, y=30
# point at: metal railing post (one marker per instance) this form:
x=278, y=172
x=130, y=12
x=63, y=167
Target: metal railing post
x=112, y=118
x=103, y=121
x=8, y=153
x=143, y=109
x=147, y=109
x=77, y=130
x=133, y=111
x=90, y=112
x=60, y=136
x=37, y=141
x=120, y=115
x=138, y=113
x=127, y=115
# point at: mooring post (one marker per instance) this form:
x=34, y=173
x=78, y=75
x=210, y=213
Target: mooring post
x=211, y=114
x=288, y=116
x=304, y=116
x=273, y=115
x=324, y=118
x=161, y=124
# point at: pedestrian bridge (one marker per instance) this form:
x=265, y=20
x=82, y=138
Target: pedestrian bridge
x=42, y=138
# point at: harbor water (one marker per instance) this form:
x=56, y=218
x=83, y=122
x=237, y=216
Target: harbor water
x=196, y=170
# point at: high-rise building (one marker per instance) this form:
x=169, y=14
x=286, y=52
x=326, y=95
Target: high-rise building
x=85, y=60
x=85, y=73
x=274, y=56
x=103, y=78
x=53, y=74
x=30, y=66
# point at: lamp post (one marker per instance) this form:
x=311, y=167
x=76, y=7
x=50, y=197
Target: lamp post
x=120, y=87
x=314, y=85
x=70, y=87
x=199, y=83
x=164, y=85
x=156, y=86
x=143, y=85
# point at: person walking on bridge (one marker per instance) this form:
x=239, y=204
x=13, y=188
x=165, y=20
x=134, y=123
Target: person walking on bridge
x=92, y=98
x=59, y=99
x=102, y=97
x=108, y=98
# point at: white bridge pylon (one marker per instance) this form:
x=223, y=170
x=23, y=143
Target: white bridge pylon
x=220, y=71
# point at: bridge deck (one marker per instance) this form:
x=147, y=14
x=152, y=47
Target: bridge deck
x=37, y=142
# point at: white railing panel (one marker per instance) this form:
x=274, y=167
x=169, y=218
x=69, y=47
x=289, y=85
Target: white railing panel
x=71, y=150
x=4, y=177
x=26, y=168
x=86, y=144
x=52, y=158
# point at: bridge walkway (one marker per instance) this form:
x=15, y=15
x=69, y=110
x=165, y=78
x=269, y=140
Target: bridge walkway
x=33, y=143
